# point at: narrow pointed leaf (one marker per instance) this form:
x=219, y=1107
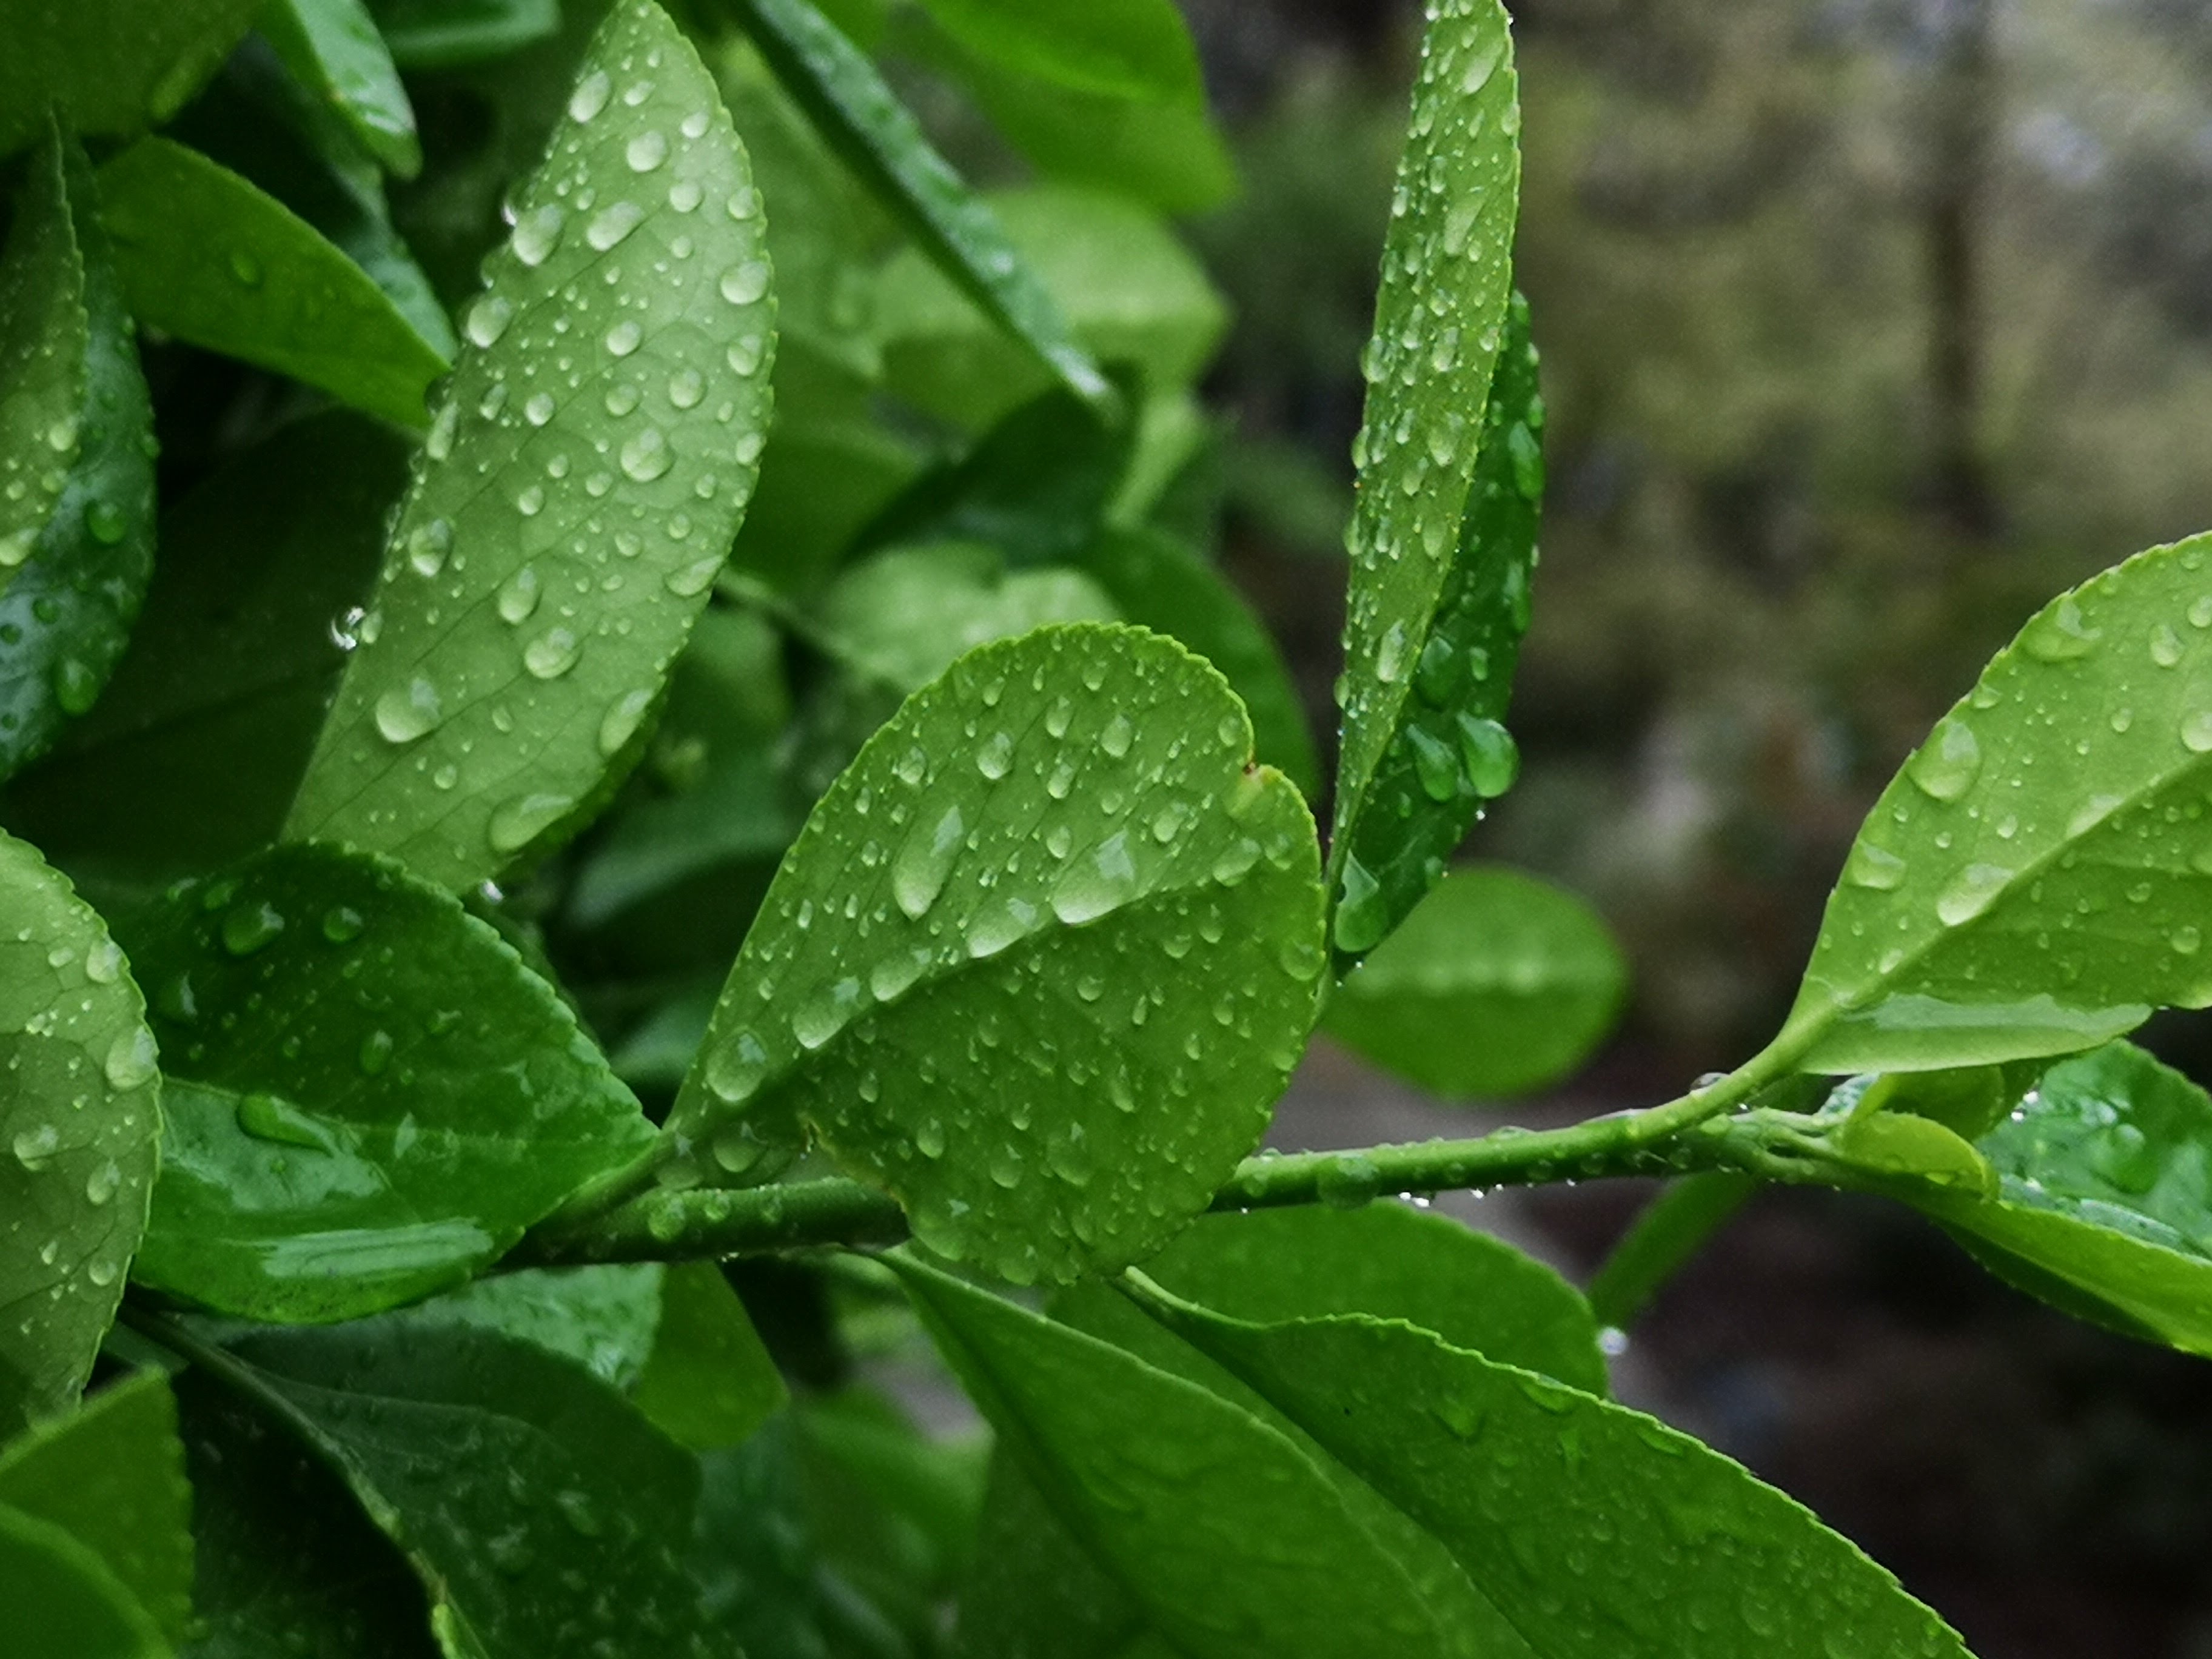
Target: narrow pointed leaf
x=1220, y=1527
x=2033, y=881
x=111, y=66
x=370, y=1095
x=112, y=1476
x=1496, y=984
x=333, y=47
x=77, y=553
x=62, y=1589
x=1039, y=964
x=1137, y=49
x=80, y=1124
x=846, y=98
x=1594, y=1529
x=1443, y=648
x=210, y=259
x=586, y=471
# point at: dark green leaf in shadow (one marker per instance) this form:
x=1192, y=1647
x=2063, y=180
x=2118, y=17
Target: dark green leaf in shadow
x=708, y=1381
x=79, y=1128
x=370, y=1095
x=752, y=1556
x=112, y=1477
x=1137, y=49
x=1041, y=979
x=845, y=95
x=110, y=66
x=60, y=1589
x=447, y=33
x=77, y=548
x=210, y=259
x=1497, y=984
x=333, y=47
x=601, y=1317
x=587, y=468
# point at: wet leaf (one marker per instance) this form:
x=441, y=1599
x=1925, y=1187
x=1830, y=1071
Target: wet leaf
x=77, y=548
x=111, y=66
x=1226, y=1535
x=1444, y=656
x=370, y=1095
x=60, y=1589
x=845, y=97
x=1497, y=984
x=333, y=47
x=584, y=476
x=447, y=33
x=1594, y=1529
x=542, y=1513
x=80, y=1125
x=2034, y=880
x=601, y=1317
x=1130, y=48
x=1130, y=292
x=709, y=1382
x=2104, y=1205
x=112, y=1477
x=209, y=258
x=1038, y=965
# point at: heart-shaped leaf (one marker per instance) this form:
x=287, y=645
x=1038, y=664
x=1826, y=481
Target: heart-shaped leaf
x=586, y=471
x=76, y=533
x=80, y=1126
x=2035, y=880
x=370, y=1095
x=1039, y=964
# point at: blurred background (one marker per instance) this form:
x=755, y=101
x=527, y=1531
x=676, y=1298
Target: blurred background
x=1866, y=325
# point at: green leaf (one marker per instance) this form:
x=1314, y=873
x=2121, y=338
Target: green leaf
x=601, y=1317
x=287, y=1566
x=848, y=99
x=1497, y=984
x=369, y=1096
x=111, y=66
x=2033, y=881
x=191, y=758
x=209, y=258
x=80, y=1123
x=1129, y=290
x=585, y=473
x=1136, y=48
x=1223, y=1532
x=1160, y=583
x=709, y=1382
x=1042, y=979
x=2104, y=1205
x=112, y=1476
x=75, y=555
x=542, y=1513
x=1441, y=670
x=56, y=1587
x=333, y=48
x=1594, y=1529
x=448, y=33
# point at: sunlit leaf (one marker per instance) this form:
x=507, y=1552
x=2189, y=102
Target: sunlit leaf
x=110, y=66
x=80, y=1124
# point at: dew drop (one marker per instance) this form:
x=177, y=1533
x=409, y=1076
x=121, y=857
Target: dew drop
x=427, y=544
x=516, y=822
x=647, y=455
x=2164, y=645
x=104, y=523
x=623, y=340
x=488, y=319
x=612, y=224
x=252, y=927
x=35, y=1146
x=1097, y=883
x=996, y=756
x=2060, y=633
x=131, y=1058
x=552, y=653
x=1972, y=891
x=1945, y=767
x=2197, y=732
x=519, y=595
x=590, y=96
x=539, y=409
x=406, y=713
x=744, y=284
x=538, y=232
x=924, y=860
x=686, y=388
x=623, y=716
x=684, y=195
x=1491, y=757
x=646, y=151
x=1873, y=867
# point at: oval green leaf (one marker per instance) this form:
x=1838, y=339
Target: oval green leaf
x=2034, y=880
x=111, y=66
x=370, y=1095
x=80, y=1129
x=77, y=550
x=1497, y=984
x=210, y=259
x=585, y=474
x=331, y=47
x=1039, y=964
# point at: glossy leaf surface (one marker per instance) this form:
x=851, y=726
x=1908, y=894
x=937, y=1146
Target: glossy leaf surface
x=1226, y=1535
x=332, y=47
x=1041, y=981
x=542, y=1513
x=110, y=66
x=848, y=99
x=208, y=258
x=370, y=1095
x=80, y=1125
x=1129, y=48
x=2034, y=880
x=446, y=34
x=1497, y=984
x=1442, y=669
x=76, y=551
x=112, y=1477
x=60, y=1589
x=585, y=473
